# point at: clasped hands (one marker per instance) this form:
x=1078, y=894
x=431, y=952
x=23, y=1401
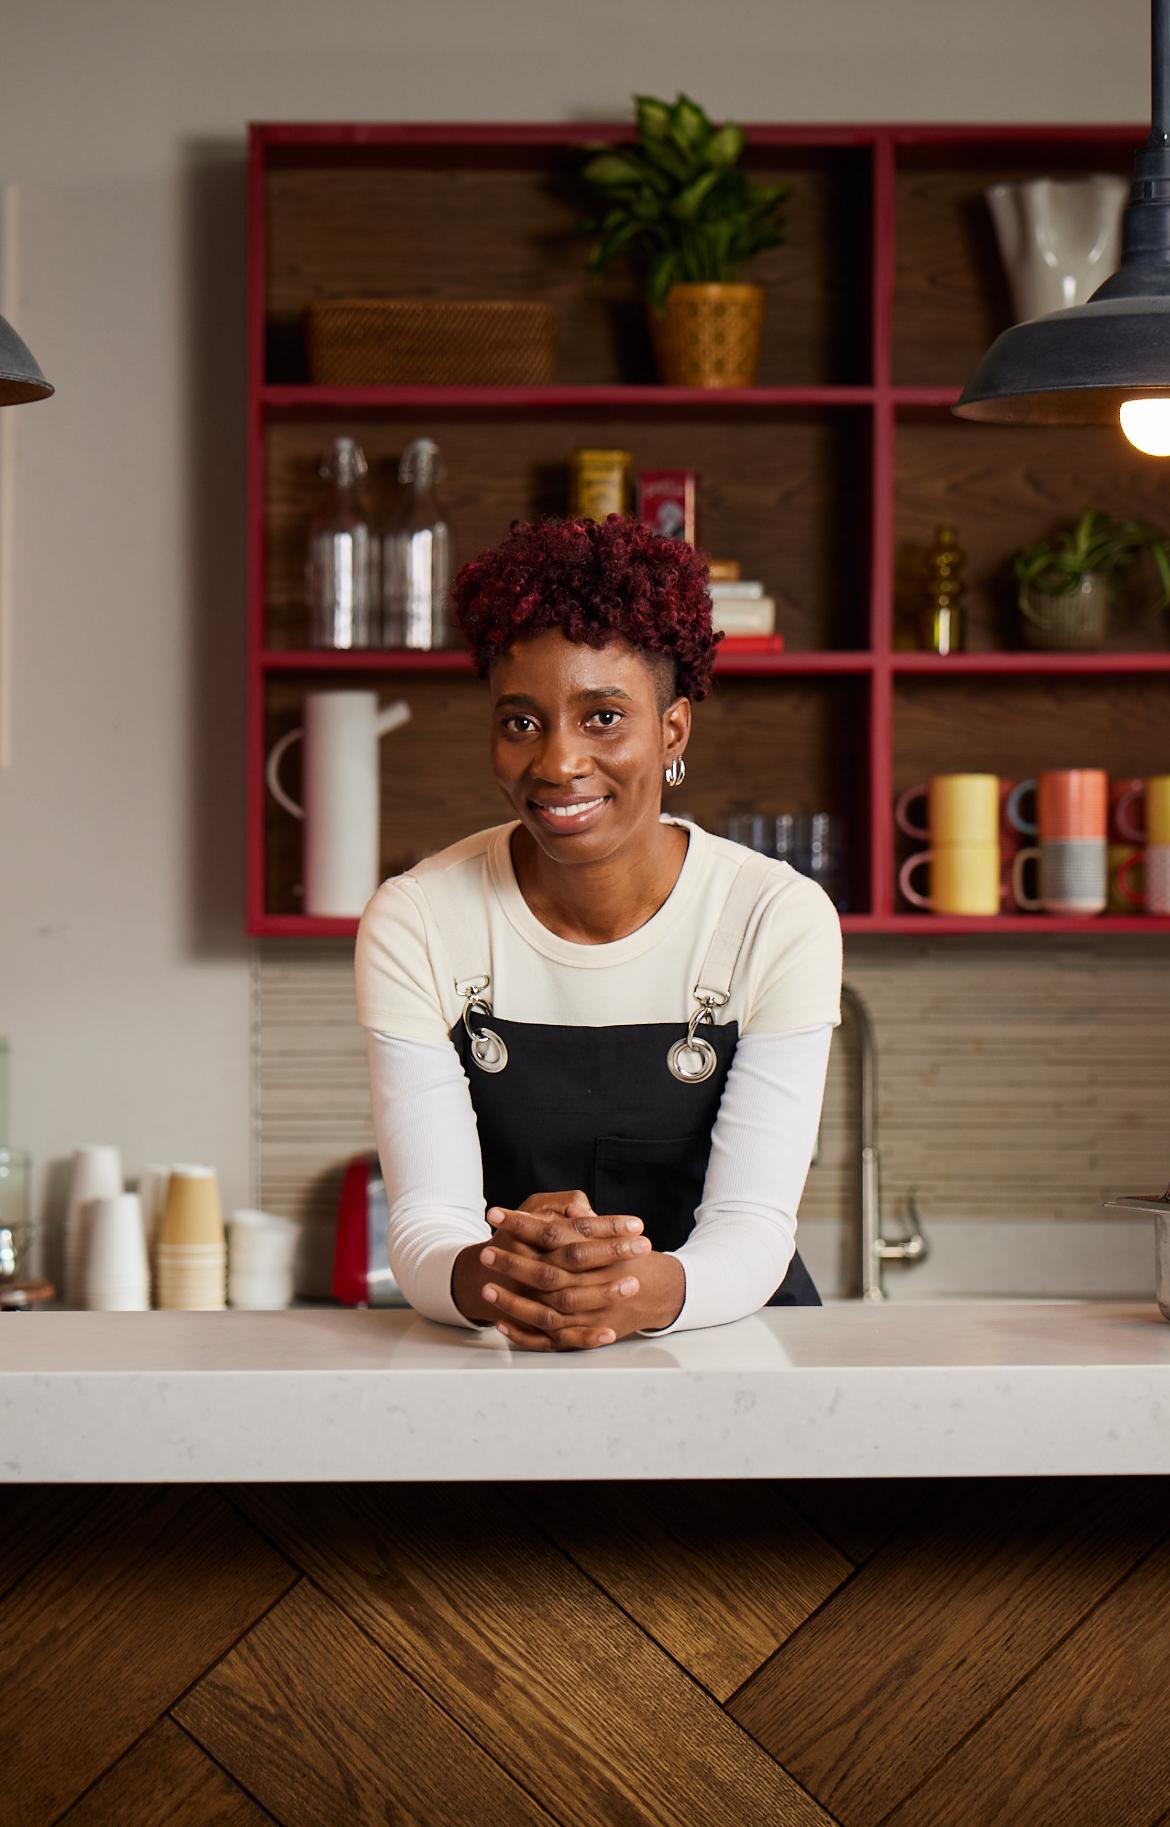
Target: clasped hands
x=556, y=1273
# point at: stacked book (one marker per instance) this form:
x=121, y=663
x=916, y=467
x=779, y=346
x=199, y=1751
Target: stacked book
x=746, y=616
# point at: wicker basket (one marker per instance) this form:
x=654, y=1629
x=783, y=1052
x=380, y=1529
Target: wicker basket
x=708, y=335
x=500, y=342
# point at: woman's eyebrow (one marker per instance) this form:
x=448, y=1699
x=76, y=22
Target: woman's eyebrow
x=588, y=694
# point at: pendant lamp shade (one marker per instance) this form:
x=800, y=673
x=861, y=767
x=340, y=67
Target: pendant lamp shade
x=1077, y=366
x=20, y=378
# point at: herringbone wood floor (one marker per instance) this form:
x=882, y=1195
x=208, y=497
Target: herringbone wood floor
x=980, y=1653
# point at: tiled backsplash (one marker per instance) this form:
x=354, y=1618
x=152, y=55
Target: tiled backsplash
x=1018, y=1079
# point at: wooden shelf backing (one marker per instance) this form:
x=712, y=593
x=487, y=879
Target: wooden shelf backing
x=788, y=495
x=394, y=219
x=767, y=744
x=951, y=297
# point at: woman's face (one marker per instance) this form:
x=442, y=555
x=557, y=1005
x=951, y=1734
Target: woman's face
x=579, y=728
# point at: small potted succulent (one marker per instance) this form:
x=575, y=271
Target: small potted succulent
x=680, y=209
x=1064, y=583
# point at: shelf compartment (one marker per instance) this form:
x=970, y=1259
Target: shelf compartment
x=1004, y=486
x=405, y=215
x=1017, y=727
x=951, y=295
x=756, y=745
x=1030, y=665
x=787, y=493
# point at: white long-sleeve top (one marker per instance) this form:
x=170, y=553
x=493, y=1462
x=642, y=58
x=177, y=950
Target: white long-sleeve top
x=784, y=999
x=762, y=1143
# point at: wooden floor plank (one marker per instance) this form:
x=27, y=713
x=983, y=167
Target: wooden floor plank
x=1085, y=1740
x=165, y=1781
x=931, y=1633
x=33, y=1518
x=101, y=1635
x=536, y=1663
x=720, y=1574
x=856, y=1514
x=323, y=1727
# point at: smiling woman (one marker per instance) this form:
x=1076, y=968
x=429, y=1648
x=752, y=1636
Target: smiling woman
x=598, y=1035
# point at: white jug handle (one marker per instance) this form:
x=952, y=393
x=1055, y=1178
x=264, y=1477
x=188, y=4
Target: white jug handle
x=272, y=769
x=393, y=717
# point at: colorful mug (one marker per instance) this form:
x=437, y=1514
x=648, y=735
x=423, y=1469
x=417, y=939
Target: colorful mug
x=1072, y=876
x=961, y=809
x=965, y=879
x=1070, y=803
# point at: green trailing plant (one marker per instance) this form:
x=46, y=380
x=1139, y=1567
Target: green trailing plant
x=680, y=209
x=1094, y=544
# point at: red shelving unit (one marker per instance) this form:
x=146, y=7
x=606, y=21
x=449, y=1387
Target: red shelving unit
x=823, y=476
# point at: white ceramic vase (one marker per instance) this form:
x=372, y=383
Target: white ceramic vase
x=1059, y=238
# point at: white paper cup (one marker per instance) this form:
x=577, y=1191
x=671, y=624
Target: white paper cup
x=96, y=1174
x=115, y=1257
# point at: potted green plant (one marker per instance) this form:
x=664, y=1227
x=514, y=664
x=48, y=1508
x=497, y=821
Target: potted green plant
x=683, y=212
x=1064, y=584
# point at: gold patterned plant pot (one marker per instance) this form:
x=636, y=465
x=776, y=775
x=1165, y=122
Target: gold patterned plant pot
x=708, y=335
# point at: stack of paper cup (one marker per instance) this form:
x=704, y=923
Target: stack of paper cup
x=117, y=1274
x=191, y=1253
x=97, y=1174
x=261, y=1254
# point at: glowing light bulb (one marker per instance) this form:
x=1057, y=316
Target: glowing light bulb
x=1146, y=423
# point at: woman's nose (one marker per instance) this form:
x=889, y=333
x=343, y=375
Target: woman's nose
x=563, y=756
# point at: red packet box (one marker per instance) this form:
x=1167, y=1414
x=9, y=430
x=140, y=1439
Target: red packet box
x=666, y=502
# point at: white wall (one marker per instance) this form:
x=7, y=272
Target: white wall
x=124, y=974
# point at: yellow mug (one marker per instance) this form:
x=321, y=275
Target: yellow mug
x=964, y=879
x=961, y=809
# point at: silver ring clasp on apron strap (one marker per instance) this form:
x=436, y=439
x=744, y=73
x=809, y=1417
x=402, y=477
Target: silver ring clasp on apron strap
x=487, y=1048
x=694, y=1059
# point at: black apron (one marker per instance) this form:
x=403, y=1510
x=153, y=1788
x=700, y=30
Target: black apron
x=599, y=1108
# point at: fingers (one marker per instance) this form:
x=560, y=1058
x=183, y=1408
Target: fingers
x=573, y=1204
x=557, y=1268
x=540, y=1316
x=569, y=1338
x=551, y=1232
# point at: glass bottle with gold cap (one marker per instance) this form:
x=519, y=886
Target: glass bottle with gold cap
x=941, y=621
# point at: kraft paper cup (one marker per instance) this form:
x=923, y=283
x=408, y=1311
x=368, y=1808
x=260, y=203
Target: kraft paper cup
x=192, y=1213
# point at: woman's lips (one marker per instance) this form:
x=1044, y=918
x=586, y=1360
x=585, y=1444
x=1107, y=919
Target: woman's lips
x=577, y=816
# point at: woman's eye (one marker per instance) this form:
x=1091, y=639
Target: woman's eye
x=607, y=713
x=517, y=718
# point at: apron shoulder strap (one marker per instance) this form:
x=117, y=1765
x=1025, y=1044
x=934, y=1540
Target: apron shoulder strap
x=714, y=982
x=464, y=952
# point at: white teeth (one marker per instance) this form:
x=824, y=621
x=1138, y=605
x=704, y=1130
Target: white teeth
x=586, y=805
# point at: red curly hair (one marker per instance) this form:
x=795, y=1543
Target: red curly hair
x=594, y=581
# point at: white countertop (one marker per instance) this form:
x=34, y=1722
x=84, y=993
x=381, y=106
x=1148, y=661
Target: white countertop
x=943, y=1389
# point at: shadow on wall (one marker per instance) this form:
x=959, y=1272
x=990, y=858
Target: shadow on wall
x=212, y=198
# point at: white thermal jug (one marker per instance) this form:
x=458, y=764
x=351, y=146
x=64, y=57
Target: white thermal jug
x=341, y=732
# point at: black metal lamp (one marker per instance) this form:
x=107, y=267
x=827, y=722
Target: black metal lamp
x=20, y=378
x=1109, y=359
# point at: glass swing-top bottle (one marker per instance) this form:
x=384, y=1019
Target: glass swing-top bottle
x=417, y=555
x=341, y=563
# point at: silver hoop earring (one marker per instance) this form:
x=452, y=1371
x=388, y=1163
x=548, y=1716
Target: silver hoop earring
x=676, y=773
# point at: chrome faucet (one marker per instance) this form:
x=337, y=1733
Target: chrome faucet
x=876, y=1249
